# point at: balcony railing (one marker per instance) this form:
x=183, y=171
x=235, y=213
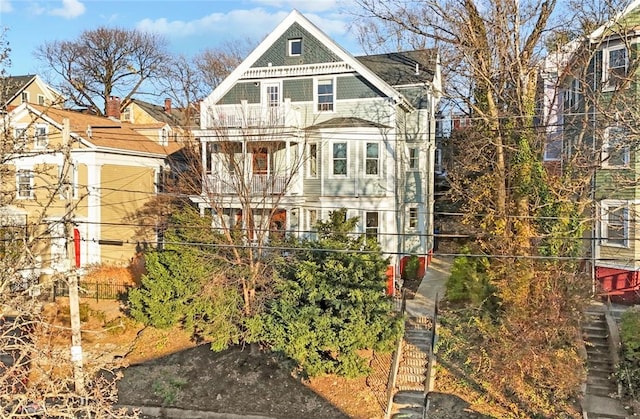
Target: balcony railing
x=254, y=115
x=258, y=185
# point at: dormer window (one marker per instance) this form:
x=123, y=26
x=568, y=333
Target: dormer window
x=41, y=100
x=164, y=136
x=41, y=137
x=25, y=97
x=295, y=47
x=126, y=114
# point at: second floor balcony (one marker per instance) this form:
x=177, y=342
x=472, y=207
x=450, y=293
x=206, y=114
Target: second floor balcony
x=256, y=185
x=252, y=115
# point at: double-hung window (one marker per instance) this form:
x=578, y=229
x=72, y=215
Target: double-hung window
x=372, y=159
x=40, y=137
x=614, y=66
x=372, y=224
x=19, y=138
x=614, y=223
x=615, y=148
x=325, y=95
x=24, y=184
x=312, y=160
x=413, y=217
x=339, y=159
x=414, y=156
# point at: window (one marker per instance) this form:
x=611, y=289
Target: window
x=20, y=138
x=414, y=155
x=312, y=160
x=41, y=100
x=325, y=95
x=614, y=67
x=553, y=147
x=24, y=183
x=371, y=230
x=615, y=223
x=295, y=47
x=40, y=137
x=126, y=114
x=372, y=160
x=340, y=159
x=413, y=217
x=24, y=97
x=615, y=148
x=164, y=136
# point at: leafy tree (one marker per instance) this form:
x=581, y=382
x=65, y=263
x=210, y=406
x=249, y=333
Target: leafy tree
x=103, y=62
x=187, y=284
x=330, y=303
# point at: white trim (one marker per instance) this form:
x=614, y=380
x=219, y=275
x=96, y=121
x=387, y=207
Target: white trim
x=316, y=94
x=378, y=159
x=624, y=150
x=332, y=174
x=309, y=157
x=290, y=43
x=605, y=207
x=609, y=83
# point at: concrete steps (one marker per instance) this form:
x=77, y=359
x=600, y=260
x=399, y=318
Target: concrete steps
x=600, y=400
x=408, y=401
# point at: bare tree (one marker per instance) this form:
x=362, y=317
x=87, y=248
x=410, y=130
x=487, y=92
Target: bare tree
x=36, y=372
x=103, y=62
x=215, y=64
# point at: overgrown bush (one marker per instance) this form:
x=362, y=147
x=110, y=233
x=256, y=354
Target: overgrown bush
x=469, y=280
x=628, y=371
x=330, y=304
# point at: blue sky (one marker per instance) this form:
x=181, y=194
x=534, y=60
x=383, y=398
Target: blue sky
x=189, y=26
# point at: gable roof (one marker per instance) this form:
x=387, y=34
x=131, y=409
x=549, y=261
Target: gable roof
x=617, y=19
x=158, y=112
x=100, y=132
x=296, y=17
x=12, y=86
x=403, y=68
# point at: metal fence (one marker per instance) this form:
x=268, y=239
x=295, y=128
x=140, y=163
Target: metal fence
x=97, y=290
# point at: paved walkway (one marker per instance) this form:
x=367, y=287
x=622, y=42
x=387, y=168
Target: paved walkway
x=431, y=287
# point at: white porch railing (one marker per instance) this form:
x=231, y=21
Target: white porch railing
x=254, y=115
x=258, y=185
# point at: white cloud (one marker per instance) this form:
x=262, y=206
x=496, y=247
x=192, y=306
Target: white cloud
x=5, y=6
x=70, y=9
x=254, y=23
x=301, y=5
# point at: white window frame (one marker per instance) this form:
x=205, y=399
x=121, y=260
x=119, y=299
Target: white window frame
x=369, y=230
x=40, y=136
x=41, y=100
x=326, y=106
x=21, y=193
x=164, y=136
x=345, y=158
x=20, y=136
x=24, y=97
x=290, y=43
x=414, y=159
x=312, y=160
x=412, y=218
x=605, y=208
x=606, y=146
x=608, y=82
x=126, y=114
x=367, y=159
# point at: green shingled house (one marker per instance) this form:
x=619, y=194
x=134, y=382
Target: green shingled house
x=302, y=127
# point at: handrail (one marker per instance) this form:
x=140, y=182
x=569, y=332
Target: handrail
x=395, y=363
x=432, y=360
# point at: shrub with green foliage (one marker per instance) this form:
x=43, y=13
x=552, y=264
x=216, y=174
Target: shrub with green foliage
x=469, y=281
x=330, y=303
x=629, y=369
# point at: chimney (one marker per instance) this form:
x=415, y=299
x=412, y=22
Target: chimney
x=167, y=105
x=113, y=107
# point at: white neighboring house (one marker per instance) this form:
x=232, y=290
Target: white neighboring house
x=310, y=129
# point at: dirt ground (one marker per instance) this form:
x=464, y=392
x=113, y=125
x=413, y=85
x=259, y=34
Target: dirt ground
x=165, y=368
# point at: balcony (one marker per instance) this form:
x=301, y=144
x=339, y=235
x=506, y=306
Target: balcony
x=258, y=185
x=248, y=115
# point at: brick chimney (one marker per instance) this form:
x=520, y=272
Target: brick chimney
x=113, y=107
x=167, y=105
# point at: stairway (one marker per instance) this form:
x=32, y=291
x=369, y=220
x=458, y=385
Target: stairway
x=408, y=401
x=600, y=400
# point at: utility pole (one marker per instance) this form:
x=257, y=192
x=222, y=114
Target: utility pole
x=71, y=272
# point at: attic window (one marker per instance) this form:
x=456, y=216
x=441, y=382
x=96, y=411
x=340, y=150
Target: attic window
x=295, y=47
